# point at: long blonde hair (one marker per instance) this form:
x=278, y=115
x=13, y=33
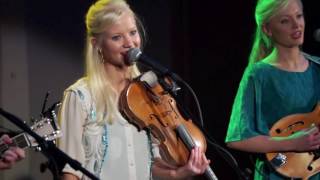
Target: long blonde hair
x=100, y=16
x=262, y=44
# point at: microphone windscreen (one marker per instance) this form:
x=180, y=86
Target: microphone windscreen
x=317, y=35
x=133, y=55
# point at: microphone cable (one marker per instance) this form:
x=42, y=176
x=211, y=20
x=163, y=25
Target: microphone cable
x=227, y=156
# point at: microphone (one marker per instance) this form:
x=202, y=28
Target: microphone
x=316, y=35
x=135, y=55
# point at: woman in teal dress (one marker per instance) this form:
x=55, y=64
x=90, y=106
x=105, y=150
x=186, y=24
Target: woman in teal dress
x=279, y=80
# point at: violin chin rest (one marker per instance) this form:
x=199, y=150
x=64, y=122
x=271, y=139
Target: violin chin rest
x=150, y=78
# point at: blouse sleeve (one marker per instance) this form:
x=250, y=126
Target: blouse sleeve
x=72, y=117
x=244, y=118
x=155, y=147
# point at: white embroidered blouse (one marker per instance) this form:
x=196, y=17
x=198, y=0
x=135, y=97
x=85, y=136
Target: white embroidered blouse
x=113, y=151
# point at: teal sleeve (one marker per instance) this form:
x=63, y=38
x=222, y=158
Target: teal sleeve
x=245, y=111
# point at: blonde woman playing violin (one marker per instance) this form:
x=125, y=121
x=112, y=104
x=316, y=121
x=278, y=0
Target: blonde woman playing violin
x=95, y=133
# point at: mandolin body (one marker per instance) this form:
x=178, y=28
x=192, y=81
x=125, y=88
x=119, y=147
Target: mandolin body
x=295, y=164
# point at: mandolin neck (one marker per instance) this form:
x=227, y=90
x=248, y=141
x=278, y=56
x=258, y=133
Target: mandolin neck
x=20, y=141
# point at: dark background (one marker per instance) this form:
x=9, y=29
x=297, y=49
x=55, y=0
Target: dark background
x=206, y=42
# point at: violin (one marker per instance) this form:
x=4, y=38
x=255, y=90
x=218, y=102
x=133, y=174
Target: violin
x=146, y=104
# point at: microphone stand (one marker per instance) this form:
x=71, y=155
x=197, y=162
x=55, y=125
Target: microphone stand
x=49, y=149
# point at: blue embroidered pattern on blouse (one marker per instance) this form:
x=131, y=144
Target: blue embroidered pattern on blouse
x=105, y=144
x=93, y=114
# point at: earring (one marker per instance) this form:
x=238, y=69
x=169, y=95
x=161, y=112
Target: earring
x=102, y=61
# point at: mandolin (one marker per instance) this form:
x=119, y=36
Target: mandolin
x=47, y=128
x=295, y=164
